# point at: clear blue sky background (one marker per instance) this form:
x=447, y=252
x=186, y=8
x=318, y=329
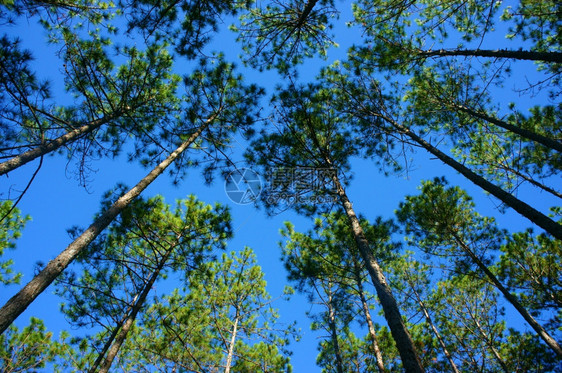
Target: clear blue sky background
x=56, y=202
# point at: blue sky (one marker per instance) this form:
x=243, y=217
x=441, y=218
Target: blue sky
x=56, y=202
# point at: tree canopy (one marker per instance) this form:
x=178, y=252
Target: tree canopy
x=325, y=114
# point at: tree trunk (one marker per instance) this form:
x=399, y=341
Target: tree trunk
x=334, y=335
x=372, y=333
x=433, y=327
x=549, y=340
x=53, y=145
x=404, y=343
x=109, y=341
x=305, y=13
x=533, y=136
x=521, y=207
x=19, y=302
x=530, y=180
x=555, y=57
x=120, y=338
x=489, y=342
x=231, y=345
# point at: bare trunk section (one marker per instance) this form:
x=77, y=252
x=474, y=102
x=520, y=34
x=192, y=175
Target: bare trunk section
x=120, y=338
x=53, y=145
x=305, y=13
x=372, y=333
x=555, y=57
x=533, y=136
x=521, y=207
x=334, y=335
x=19, y=302
x=547, y=338
x=231, y=345
x=400, y=334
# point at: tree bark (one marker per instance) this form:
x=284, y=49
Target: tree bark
x=400, y=334
x=521, y=207
x=19, y=302
x=372, y=333
x=404, y=343
x=109, y=342
x=555, y=57
x=120, y=338
x=231, y=345
x=53, y=145
x=546, y=337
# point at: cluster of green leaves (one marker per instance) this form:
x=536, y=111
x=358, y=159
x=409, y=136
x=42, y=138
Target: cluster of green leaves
x=29, y=349
x=11, y=226
x=222, y=320
x=282, y=34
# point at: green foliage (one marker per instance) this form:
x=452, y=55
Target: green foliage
x=325, y=265
x=189, y=25
x=149, y=240
x=224, y=310
x=282, y=34
x=530, y=265
x=537, y=21
x=415, y=76
x=28, y=350
x=11, y=225
x=442, y=221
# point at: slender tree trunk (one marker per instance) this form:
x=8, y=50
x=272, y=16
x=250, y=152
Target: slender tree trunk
x=438, y=336
x=120, y=338
x=555, y=57
x=521, y=207
x=372, y=333
x=19, y=302
x=404, y=343
x=549, y=340
x=533, y=136
x=334, y=335
x=53, y=145
x=231, y=345
x=433, y=328
x=532, y=181
x=110, y=340
x=489, y=342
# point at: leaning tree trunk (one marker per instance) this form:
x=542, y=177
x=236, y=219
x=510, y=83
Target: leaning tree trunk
x=120, y=338
x=555, y=57
x=19, y=302
x=489, y=342
x=530, y=135
x=53, y=145
x=400, y=334
x=429, y=321
x=372, y=333
x=521, y=207
x=111, y=338
x=549, y=340
x=232, y=343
